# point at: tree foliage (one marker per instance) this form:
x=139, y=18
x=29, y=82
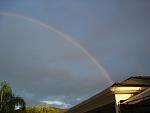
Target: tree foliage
x=9, y=102
x=44, y=109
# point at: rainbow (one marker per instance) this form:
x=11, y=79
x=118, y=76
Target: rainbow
x=66, y=37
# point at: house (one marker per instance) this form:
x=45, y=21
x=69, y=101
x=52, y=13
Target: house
x=129, y=96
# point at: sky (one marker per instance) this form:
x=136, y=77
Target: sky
x=44, y=67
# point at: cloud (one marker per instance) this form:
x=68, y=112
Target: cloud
x=59, y=104
x=41, y=66
x=58, y=101
x=38, y=67
x=25, y=94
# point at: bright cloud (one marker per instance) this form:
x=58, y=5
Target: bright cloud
x=56, y=103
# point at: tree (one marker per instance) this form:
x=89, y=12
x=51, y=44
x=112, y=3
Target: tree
x=8, y=101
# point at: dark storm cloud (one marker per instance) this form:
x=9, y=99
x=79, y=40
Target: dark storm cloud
x=43, y=68
x=125, y=39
